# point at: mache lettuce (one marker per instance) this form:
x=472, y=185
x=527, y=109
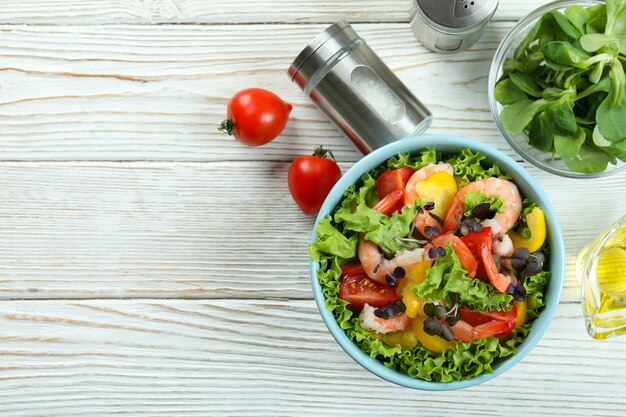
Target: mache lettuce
x=565, y=86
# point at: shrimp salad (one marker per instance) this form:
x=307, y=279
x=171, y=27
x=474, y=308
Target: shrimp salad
x=434, y=264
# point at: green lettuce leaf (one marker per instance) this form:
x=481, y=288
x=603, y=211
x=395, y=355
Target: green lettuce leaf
x=447, y=280
x=534, y=293
x=474, y=198
x=365, y=193
x=521, y=227
x=356, y=215
x=428, y=156
x=331, y=241
x=468, y=166
x=463, y=361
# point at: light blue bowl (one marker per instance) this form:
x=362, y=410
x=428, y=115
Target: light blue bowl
x=528, y=187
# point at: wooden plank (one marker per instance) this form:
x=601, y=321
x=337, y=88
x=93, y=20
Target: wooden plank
x=74, y=12
x=209, y=230
x=159, y=92
x=258, y=358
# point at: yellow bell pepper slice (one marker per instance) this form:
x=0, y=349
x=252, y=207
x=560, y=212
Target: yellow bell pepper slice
x=439, y=188
x=521, y=313
x=536, y=222
x=407, y=339
x=415, y=274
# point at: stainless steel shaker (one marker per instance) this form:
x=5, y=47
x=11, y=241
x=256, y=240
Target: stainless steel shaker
x=449, y=26
x=347, y=81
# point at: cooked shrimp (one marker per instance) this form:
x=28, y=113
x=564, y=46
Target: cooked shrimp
x=377, y=267
x=420, y=175
x=502, y=222
x=396, y=323
x=466, y=333
x=503, y=246
x=500, y=281
x=424, y=219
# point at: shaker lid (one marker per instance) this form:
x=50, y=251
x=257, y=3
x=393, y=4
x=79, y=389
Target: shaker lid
x=457, y=14
x=315, y=44
x=323, y=48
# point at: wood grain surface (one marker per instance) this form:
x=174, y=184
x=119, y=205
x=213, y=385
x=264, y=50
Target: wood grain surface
x=73, y=12
x=122, y=207
x=159, y=92
x=263, y=358
x=205, y=230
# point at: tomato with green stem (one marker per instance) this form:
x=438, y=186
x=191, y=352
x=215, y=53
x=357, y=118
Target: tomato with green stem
x=255, y=116
x=311, y=177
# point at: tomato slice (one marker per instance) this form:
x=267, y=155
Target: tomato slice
x=359, y=290
x=352, y=269
x=474, y=242
x=394, y=179
x=502, y=321
x=390, y=204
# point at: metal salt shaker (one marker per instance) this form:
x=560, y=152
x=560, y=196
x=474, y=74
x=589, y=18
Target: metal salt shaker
x=347, y=81
x=449, y=26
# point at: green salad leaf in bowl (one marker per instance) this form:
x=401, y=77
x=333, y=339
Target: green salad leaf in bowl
x=558, y=87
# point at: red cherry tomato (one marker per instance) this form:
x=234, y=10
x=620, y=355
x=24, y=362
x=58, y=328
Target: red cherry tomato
x=311, y=178
x=353, y=269
x=255, y=116
x=394, y=179
x=359, y=289
x=475, y=241
x=390, y=204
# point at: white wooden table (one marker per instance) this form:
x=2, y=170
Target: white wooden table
x=150, y=265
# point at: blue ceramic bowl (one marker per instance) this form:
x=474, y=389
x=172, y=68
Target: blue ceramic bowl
x=528, y=187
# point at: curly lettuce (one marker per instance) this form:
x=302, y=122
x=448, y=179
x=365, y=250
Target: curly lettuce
x=521, y=227
x=355, y=215
x=447, y=280
x=473, y=198
x=331, y=241
x=426, y=157
x=469, y=167
x=534, y=293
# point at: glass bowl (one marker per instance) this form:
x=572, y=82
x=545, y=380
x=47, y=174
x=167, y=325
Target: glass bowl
x=544, y=160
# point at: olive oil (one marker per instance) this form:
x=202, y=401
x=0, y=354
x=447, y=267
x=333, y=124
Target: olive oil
x=603, y=268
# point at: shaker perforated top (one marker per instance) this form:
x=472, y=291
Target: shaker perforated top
x=458, y=14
